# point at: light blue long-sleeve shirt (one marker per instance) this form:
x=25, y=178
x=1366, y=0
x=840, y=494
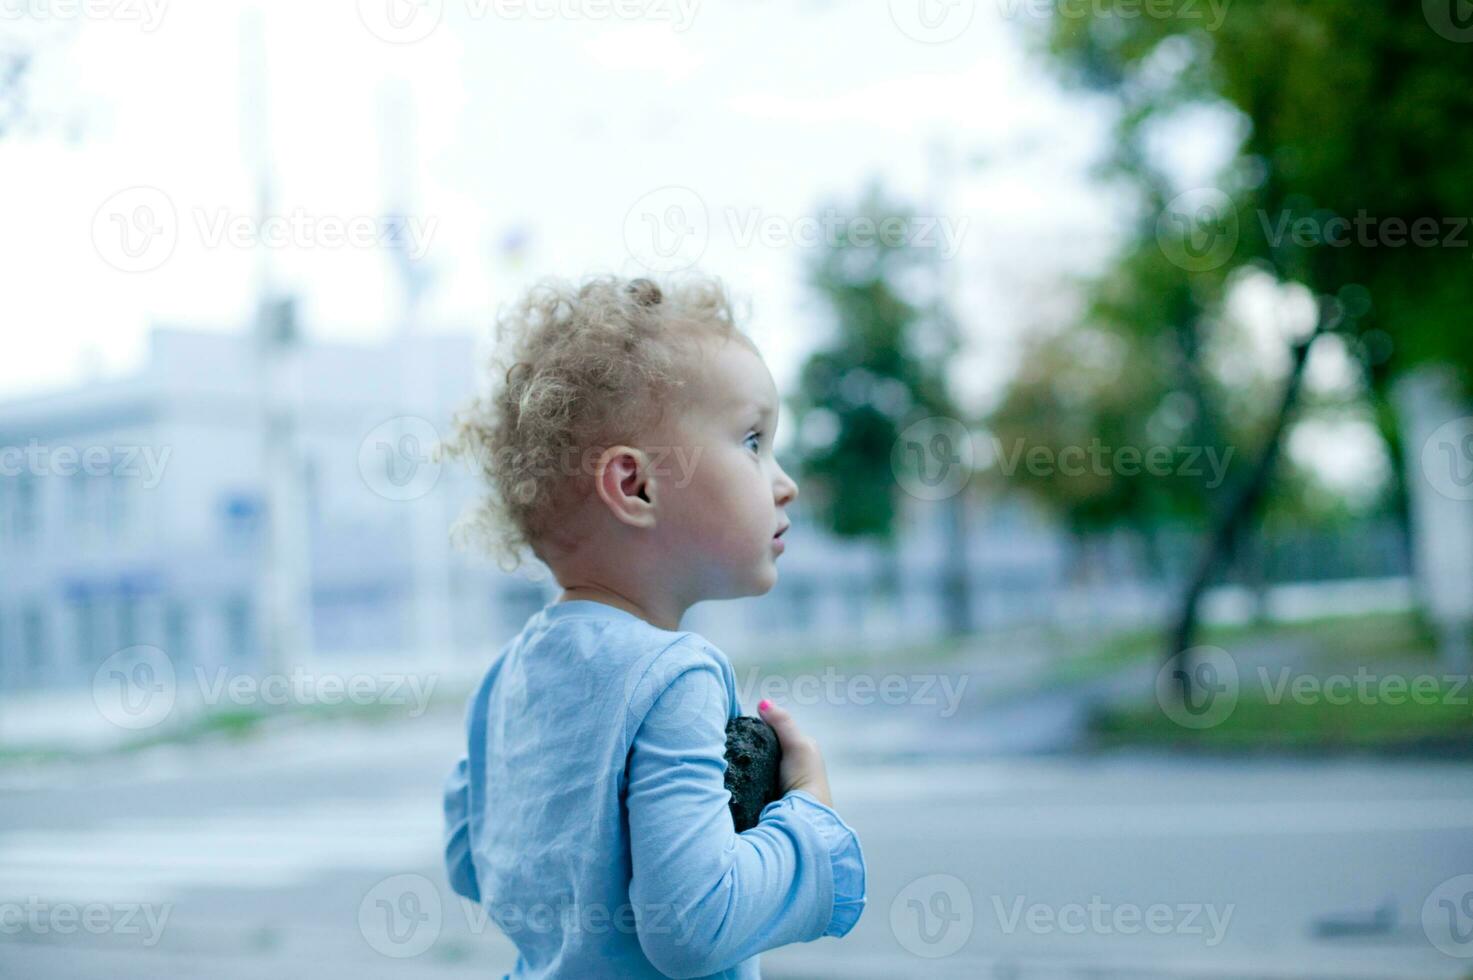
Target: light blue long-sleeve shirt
x=590, y=819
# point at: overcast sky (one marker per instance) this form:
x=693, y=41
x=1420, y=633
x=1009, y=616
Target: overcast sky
x=582, y=128
x=563, y=121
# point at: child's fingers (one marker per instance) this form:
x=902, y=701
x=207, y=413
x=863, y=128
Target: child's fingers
x=781, y=721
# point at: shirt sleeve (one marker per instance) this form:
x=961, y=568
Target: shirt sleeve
x=458, y=865
x=705, y=897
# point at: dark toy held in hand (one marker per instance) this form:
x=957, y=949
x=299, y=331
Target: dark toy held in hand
x=752, y=760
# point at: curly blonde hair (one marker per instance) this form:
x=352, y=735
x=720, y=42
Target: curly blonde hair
x=577, y=366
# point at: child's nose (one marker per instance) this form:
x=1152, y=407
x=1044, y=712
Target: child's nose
x=787, y=490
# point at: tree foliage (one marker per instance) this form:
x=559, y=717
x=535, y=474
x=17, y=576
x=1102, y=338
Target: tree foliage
x=881, y=367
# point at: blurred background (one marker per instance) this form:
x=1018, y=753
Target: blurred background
x=1126, y=369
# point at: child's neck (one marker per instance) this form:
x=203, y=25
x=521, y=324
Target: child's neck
x=666, y=616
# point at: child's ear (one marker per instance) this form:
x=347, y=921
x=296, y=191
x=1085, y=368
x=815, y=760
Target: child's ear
x=625, y=482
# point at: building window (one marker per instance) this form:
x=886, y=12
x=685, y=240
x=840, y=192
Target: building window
x=240, y=517
x=33, y=642
x=238, y=628
x=116, y=504
x=24, y=519
x=79, y=502
x=176, y=632
x=84, y=618
x=127, y=622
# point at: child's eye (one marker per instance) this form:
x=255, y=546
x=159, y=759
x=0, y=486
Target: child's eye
x=753, y=438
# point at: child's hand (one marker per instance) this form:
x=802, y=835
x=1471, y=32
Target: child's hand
x=802, y=766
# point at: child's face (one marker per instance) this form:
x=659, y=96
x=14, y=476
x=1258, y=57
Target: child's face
x=724, y=520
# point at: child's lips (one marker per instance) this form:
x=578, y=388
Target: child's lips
x=777, y=539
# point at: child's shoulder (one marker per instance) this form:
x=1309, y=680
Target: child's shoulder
x=668, y=653
x=618, y=635
x=707, y=681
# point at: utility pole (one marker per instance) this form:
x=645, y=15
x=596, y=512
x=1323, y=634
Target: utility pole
x=430, y=580
x=284, y=605
x=956, y=587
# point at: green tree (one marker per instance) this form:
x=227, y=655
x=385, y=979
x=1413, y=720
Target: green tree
x=1354, y=118
x=881, y=369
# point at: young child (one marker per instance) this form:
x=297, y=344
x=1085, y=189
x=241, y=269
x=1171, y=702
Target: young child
x=628, y=445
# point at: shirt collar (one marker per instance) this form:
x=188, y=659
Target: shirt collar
x=586, y=607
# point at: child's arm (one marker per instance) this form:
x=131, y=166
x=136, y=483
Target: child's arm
x=705, y=898
x=458, y=865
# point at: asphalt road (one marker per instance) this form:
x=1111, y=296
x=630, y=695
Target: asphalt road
x=315, y=852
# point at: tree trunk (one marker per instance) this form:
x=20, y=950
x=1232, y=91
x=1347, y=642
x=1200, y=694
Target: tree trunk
x=957, y=584
x=1241, y=508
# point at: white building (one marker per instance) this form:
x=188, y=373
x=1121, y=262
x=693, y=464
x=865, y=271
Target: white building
x=131, y=510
